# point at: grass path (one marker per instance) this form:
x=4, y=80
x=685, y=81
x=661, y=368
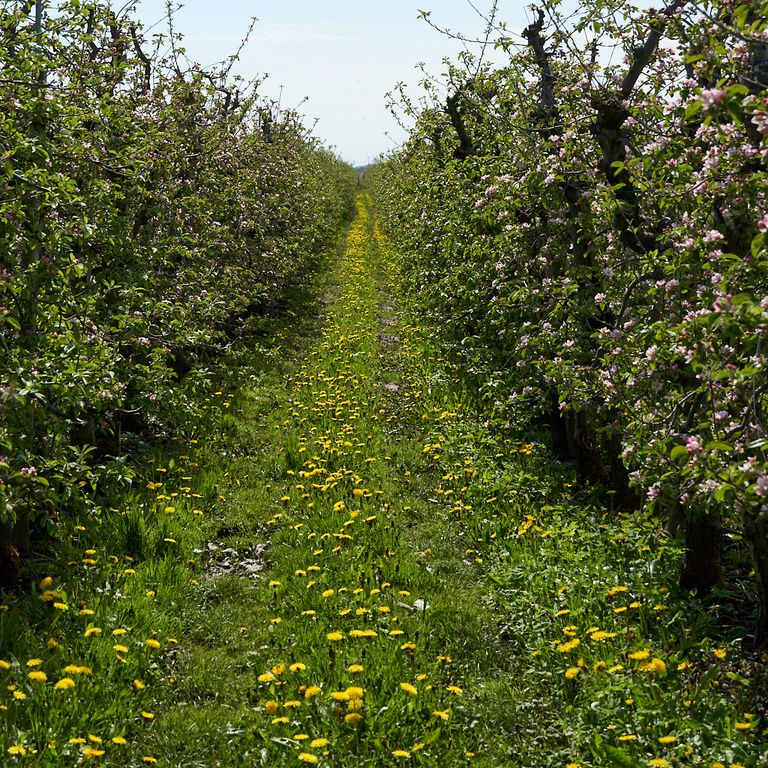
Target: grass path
x=349, y=643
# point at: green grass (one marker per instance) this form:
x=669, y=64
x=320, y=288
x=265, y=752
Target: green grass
x=343, y=483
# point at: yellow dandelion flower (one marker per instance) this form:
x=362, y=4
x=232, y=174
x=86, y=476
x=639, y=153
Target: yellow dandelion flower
x=442, y=714
x=278, y=669
x=148, y=759
x=667, y=739
x=92, y=753
x=335, y=637
x=38, y=676
x=742, y=726
x=280, y=720
x=271, y=707
x=120, y=648
x=639, y=655
x=353, y=669
x=655, y=665
x=406, y=646
x=46, y=582
x=298, y=667
x=34, y=662
x=119, y=740
x=77, y=740
x=138, y=685
x=628, y=737
x=92, y=631
x=312, y=691
x=4, y=664
x=65, y=684
x=455, y=690
x=307, y=757
x=401, y=753
x=318, y=743
x=292, y=704
x=569, y=646
x=339, y=695
x=601, y=635
x=355, y=692
x=571, y=673
x=152, y=643
x=409, y=689
x=353, y=718
x=266, y=677
x=719, y=654
x=147, y=715
x=659, y=762
x=61, y=607
x=119, y=631
x=17, y=749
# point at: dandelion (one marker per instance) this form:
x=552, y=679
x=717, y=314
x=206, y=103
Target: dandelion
x=742, y=726
x=339, y=695
x=148, y=759
x=335, y=637
x=655, y=665
x=297, y=667
x=38, y=676
x=271, y=707
x=311, y=692
x=120, y=648
x=600, y=635
x=92, y=631
x=719, y=654
x=65, y=684
x=569, y=646
x=34, y=662
x=307, y=757
x=17, y=749
x=119, y=740
x=401, y=753
x=353, y=718
x=151, y=643
x=455, y=690
x=640, y=655
x=147, y=715
x=667, y=739
x=442, y=714
x=280, y=721
x=138, y=685
x=659, y=762
x=92, y=753
x=353, y=669
x=266, y=677
x=4, y=664
x=571, y=673
x=318, y=743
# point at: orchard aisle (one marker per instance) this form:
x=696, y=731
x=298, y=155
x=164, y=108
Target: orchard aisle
x=345, y=653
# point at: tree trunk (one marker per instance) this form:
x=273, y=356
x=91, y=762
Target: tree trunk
x=756, y=528
x=702, y=569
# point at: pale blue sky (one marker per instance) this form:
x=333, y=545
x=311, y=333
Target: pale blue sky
x=342, y=56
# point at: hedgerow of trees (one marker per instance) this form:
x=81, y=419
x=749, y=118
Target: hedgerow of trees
x=588, y=227
x=150, y=212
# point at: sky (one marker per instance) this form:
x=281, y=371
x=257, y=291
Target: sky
x=334, y=61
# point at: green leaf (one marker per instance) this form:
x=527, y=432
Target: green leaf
x=678, y=452
x=693, y=109
x=619, y=756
